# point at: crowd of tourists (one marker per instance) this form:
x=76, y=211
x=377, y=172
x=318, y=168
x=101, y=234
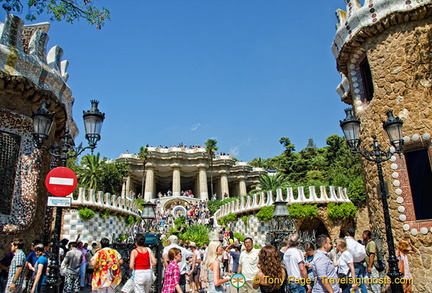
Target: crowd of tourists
x=345, y=266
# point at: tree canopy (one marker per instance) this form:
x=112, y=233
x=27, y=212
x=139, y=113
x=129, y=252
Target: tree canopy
x=59, y=10
x=333, y=164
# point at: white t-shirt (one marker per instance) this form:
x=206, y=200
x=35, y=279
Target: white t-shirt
x=249, y=263
x=344, y=259
x=292, y=258
x=185, y=255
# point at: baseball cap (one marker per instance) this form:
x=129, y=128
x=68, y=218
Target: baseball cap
x=192, y=244
x=173, y=239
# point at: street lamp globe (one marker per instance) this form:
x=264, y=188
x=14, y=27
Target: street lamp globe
x=148, y=212
x=393, y=127
x=351, y=129
x=42, y=123
x=93, y=120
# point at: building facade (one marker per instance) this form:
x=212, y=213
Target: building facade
x=173, y=170
x=28, y=76
x=383, y=52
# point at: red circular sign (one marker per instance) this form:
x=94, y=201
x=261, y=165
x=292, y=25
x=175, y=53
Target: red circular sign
x=61, y=181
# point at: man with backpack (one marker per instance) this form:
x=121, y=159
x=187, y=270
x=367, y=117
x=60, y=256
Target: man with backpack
x=358, y=252
x=372, y=258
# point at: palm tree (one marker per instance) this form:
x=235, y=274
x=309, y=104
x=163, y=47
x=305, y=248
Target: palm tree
x=91, y=171
x=273, y=182
x=143, y=156
x=211, y=148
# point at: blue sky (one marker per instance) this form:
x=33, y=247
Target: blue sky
x=244, y=72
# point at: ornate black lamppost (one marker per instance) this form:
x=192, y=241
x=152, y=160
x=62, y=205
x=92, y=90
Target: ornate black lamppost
x=393, y=126
x=148, y=215
x=281, y=225
x=42, y=121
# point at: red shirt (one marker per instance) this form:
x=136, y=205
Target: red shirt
x=142, y=260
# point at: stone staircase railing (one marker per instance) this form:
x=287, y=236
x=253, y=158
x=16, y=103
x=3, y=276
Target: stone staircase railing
x=257, y=201
x=101, y=200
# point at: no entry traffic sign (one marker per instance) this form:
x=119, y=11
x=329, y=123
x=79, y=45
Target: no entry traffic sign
x=61, y=181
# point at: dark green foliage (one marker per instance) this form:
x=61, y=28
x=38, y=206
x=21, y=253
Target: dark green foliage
x=100, y=175
x=307, y=211
x=239, y=236
x=130, y=220
x=104, y=213
x=86, y=214
x=265, y=213
x=356, y=191
x=59, y=10
x=331, y=165
x=341, y=211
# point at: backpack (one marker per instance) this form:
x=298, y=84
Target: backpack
x=357, y=250
x=381, y=265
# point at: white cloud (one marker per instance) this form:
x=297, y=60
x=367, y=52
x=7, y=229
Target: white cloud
x=195, y=126
x=234, y=150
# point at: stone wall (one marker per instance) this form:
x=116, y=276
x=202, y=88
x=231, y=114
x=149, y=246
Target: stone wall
x=398, y=49
x=257, y=229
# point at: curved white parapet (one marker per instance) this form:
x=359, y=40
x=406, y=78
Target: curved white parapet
x=100, y=200
x=252, y=203
x=372, y=12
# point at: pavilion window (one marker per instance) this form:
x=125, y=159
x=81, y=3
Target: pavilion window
x=366, y=77
x=420, y=177
x=9, y=154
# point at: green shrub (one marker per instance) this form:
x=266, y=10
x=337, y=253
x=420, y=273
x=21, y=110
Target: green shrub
x=86, y=214
x=356, y=191
x=180, y=221
x=228, y=218
x=130, y=220
x=341, y=211
x=196, y=233
x=104, y=213
x=239, y=236
x=303, y=211
x=139, y=202
x=265, y=213
x=245, y=220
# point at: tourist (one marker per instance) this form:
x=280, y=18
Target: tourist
x=323, y=268
x=248, y=265
x=271, y=275
x=141, y=261
x=358, y=252
x=5, y=262
x=195, y=270
x=214, y=268
x=404, y=248
x=234, y=251
x=39, y=284
x=16, y=269
x=172, y=243
x=72, y=261
x=345, y=266
x=29, y=268
x=171, y=282
x=84, y=262
x=309, y=249
x=106, y=263
x=295, y=265
x=372, y=255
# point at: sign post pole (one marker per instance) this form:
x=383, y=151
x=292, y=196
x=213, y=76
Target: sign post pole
x=60, y=182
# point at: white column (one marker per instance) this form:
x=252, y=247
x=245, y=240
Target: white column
x=224, y=183
x=128, y=186
x=203, y=189
x=149, y=184
x=176, y=185
x=242, y=186
x=124, y=189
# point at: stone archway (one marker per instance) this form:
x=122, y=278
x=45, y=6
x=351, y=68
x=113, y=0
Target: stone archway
x=314, y=225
